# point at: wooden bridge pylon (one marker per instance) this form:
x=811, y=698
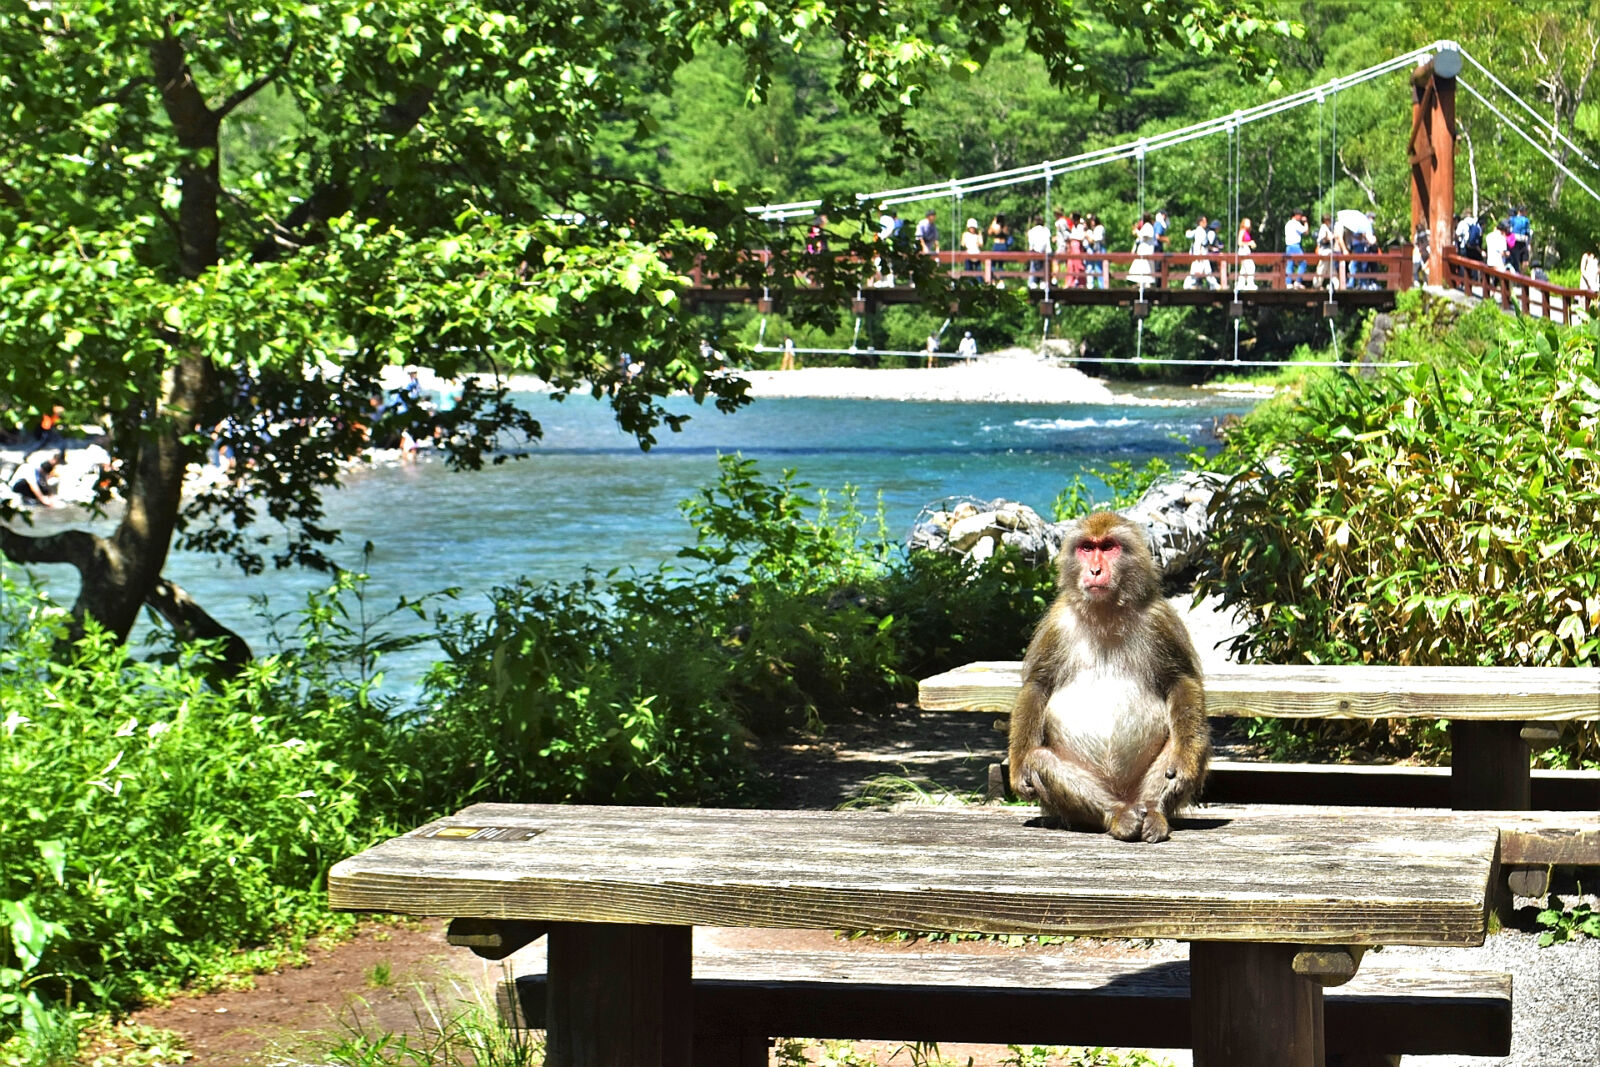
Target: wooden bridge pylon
x=1432, y=151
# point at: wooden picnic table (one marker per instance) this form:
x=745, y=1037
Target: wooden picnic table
x=1493, y=711
x=1265, y=903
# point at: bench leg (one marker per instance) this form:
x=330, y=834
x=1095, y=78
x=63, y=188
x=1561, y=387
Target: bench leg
x=1249, y=1009
x=619, y=996
x=1490, y=767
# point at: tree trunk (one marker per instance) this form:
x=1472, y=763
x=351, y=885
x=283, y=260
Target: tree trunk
x=118, y=574
x=122, y=572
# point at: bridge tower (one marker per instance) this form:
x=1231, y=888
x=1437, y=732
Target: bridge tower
x=1432, y=150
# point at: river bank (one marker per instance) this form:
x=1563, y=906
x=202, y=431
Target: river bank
x=1007, y=376
x=1010, y=376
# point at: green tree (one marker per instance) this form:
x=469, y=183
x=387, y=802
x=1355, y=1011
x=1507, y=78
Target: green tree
x=237, y=214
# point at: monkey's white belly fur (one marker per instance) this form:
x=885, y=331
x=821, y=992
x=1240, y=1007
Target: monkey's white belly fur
x=1107, y=719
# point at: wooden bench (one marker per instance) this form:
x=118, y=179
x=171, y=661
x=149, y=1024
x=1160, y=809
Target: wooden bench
x=743, y=998
x=1273, y=910
x=1495, y=714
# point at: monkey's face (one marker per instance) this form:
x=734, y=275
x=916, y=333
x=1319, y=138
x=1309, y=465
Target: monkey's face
x=1097, y=564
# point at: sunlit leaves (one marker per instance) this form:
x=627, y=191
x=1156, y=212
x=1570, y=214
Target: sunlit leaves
x=1441, y=516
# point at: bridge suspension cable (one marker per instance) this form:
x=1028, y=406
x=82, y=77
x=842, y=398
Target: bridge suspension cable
x=1550, y=128
x=1099, y=157
x=1321, y=95
x=1542, y=150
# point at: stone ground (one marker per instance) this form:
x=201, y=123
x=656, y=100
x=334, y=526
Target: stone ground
x=390, y=976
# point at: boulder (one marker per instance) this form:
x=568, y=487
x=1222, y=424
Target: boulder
x=1173, y=514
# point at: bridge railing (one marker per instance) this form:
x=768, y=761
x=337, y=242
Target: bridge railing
x=1127, y=270
x=1518, y=292
x=1171, y=270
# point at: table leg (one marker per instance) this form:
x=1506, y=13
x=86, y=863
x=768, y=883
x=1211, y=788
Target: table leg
x=1249, y=1009
x=1490, y=767
x=619, y=996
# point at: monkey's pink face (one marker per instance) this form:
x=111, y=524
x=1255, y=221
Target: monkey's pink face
x=1096, y=565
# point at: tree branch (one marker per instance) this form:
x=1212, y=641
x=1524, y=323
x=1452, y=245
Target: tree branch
x=1364, y=186
x=240, y=96
x=76, y=547
x=329, y=198
x=191, y=622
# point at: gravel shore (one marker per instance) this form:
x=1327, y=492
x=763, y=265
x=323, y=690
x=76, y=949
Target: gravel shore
x=1008, y=376
x=1015, y=375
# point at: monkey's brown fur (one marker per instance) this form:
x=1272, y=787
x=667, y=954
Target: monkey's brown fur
x=1109, y=731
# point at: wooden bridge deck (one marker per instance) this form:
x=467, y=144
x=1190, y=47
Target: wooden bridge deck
x=1123, y=279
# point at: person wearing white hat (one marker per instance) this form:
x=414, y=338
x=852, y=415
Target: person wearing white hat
x=972, y=244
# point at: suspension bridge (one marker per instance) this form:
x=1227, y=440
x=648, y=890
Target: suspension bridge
x=1349, y=274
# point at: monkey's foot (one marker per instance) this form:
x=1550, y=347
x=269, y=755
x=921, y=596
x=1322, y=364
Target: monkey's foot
x=1156, y=827
x=1127, y=823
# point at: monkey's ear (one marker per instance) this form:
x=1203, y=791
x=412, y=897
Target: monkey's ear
x=1064, y=562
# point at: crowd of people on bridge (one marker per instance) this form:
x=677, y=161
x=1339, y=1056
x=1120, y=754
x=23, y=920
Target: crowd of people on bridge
x=1068, y=249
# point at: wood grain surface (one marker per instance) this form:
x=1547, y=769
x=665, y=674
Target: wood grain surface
x=1552, y=694
x=1542, y=838
x=1338, y=877
x=1039, y=997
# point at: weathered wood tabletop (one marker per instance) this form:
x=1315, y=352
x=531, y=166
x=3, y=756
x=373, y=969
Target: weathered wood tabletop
x=1491, y=709
x=1495, y=694
x=1334, y=878
x=623, y=886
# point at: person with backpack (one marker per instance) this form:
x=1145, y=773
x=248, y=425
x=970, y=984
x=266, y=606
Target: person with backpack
x=1521, y=243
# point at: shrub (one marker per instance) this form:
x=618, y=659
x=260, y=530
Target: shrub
x=560, y=693
x=151, y=822
x=1442, y=515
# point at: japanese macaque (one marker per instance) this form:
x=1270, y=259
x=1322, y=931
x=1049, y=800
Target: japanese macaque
x=1109, y=732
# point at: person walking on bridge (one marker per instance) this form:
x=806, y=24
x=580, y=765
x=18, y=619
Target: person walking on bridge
x=1325, y=249
x=928, y=234
x=1038, y=244
x=1077, y=235
x=1144, y=246
x=1199, y=245
x=1522, y=231
x=1294, y=232
x=1244, y=244
x=972, y=245
x=1096, y=243
x=1495, y=246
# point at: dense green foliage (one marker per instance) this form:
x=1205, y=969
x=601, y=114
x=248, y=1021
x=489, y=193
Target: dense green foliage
x=229, y=219
x=154, y=819
x=1439, y=515
x=153, y=823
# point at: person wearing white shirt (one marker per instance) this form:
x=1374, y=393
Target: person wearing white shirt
x=1494, y=247
x=1039, y=244
x=1589, y=272
x=1199, y=244
x=1294, y=233
x=1244, y=243
x=1144, y=245
x=972, y=245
